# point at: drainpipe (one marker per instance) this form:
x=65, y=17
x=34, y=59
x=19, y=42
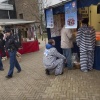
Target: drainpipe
x=8, y=14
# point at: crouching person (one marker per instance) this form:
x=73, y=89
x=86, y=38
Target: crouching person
x=52, y=59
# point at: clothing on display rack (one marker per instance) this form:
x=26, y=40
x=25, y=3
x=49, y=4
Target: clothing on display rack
x=19, y=34
x=29, y=35
x=32, y=31
x=23, y=33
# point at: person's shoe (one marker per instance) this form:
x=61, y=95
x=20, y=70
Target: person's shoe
x=59, y=74
x=8, y=76
x=47, y=71
x=90, y=69
x=2, y=69
x=85, y=70
x=18, y=71
x=62, y=73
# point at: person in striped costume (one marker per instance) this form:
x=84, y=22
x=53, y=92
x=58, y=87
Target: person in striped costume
x=86, y=41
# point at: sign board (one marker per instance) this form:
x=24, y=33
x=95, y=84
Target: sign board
x=98, y=9
x=4, y=6
x=49, y=18
x=71, y=14
x=84, y=12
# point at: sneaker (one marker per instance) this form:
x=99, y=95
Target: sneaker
x=8, y=76
x=59, y=74
x=47, y=71
x=85, y=70
x=62, y=73
x=18, y=71
x=90, y=69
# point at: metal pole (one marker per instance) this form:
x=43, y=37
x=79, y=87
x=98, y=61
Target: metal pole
x=8, y=14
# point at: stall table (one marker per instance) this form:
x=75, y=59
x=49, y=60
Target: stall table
x=97, y=58
x=28, y=47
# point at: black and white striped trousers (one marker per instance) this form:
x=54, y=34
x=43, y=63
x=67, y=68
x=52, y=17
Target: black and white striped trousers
x=87, y=60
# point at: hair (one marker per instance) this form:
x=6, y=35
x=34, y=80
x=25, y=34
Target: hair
x=85, y=21
x=51, y=41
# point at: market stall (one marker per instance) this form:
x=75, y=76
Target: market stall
x=57, y=16
x=26, y=32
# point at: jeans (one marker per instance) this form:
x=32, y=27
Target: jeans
x=1, y=65
x=13, y=62
x=68, y=54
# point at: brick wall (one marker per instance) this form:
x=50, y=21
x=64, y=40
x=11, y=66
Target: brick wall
x=28, y=8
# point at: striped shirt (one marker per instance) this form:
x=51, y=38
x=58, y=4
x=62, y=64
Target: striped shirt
x=86, y=38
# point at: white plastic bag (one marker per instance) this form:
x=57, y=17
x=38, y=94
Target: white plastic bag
x=75, y=58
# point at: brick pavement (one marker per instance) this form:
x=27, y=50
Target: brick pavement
x=33, y=84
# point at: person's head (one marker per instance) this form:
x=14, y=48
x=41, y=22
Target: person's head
x=51, y=41
x=8, y=32
x=85, y=21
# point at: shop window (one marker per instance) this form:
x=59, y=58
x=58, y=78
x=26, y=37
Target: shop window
x=21, y=16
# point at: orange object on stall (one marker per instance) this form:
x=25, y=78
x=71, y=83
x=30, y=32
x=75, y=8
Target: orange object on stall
x=98, y=36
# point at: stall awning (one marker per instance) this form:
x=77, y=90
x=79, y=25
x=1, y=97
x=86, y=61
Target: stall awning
x=80, y=4
x=15, y=21
x=86, y=3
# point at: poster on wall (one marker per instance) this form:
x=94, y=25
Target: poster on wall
x=58, y=24
x=71, y=14
x=49, y=18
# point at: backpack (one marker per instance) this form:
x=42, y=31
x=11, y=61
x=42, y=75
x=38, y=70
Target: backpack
x=17, y=42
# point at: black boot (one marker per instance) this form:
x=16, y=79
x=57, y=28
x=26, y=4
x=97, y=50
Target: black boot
x=8, y=76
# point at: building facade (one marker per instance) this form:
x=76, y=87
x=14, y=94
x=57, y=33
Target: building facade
x=27, y=9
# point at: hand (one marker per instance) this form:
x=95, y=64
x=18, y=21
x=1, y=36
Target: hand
x=5, y=36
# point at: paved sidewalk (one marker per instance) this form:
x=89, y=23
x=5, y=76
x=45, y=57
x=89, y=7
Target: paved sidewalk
x=33, y=84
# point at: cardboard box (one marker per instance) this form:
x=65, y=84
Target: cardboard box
x=77, y=65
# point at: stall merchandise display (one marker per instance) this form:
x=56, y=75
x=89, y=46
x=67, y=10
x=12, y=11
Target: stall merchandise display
x=58, y=24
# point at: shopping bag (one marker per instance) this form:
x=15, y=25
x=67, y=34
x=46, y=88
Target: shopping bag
x=18, y=56
x=75, y=60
